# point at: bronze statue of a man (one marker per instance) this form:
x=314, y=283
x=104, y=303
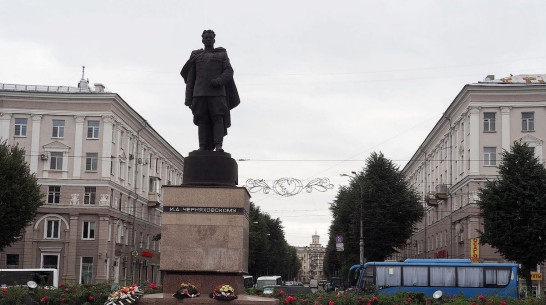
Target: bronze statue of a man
x=210, y=92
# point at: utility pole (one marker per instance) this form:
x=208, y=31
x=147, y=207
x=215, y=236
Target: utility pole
x=354, y=179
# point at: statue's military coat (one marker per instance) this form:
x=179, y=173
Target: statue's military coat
x=204, y=66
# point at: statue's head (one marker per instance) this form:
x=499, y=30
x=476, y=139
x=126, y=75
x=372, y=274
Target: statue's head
x=208, y=38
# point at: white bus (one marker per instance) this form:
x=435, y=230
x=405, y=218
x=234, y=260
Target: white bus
x=268, y=281
x=13, y=277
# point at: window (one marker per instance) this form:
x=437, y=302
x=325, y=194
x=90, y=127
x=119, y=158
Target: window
x=87, y=270
x=121, y=138
x=129, y=174
x=20, y=127
x=119, y=233
x=442, y=276
x=56, y=162
x=52, y=229
x=388, y=275
x=141, y=239
x=527, y=121
x=54, y=194
x=88, y=230
x=469, y=277
x=121, y=173
x=489, y=121
x=109, y=232
x=489, y=156
x=415, y=276
x=12, y=261
x=58, y=129
x=92, y=129
x=90, y=195
x=91, y=160
x=154, y=185
x=111, y=165
x=497, y=277
x=50, y=261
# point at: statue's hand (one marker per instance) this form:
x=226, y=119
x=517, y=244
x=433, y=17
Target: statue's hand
x=216, y=82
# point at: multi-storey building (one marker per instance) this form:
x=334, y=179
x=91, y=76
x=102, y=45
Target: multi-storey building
x=101, y=167
x=312, y=258
x=462, y=152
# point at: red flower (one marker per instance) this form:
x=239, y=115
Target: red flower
x=90, y=298
x=153, y=286
x=359, y=298
x=331, y=303
x=409, y=299
x=473, y=303
x=480, y=297
x=62, y=284
x=63, y=300
x=320, y=298
x=502, y=303
x=5, y=289
x=281, y=292
x=44, y=299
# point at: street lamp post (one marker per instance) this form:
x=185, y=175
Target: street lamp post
x=354, y=178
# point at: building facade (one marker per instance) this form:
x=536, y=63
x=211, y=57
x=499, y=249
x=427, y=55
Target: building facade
x=312, y=258
x=461, y=153
x=101, y=167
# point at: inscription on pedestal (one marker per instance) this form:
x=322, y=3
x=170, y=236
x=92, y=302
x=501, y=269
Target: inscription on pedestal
x=206, y=210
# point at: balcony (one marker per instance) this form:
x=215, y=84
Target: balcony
x=153, y=199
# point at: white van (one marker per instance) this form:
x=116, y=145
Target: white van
x=313, y=283
x=263, y=281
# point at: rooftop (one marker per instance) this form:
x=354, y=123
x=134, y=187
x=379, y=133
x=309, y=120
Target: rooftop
x=515, y=79
x=83, y=87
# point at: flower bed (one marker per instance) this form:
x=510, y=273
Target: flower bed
x=70, y=294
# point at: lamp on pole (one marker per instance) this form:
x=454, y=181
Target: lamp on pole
x=354, y=178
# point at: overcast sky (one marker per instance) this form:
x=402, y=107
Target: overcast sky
x=322, y=84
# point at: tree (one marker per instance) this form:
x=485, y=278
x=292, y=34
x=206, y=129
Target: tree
x=20, y=194
x=269, y=253
x=391, y=211
x=513, y=209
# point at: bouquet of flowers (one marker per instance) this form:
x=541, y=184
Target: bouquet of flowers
x=223, y=293
x=125, y=295
x=186, y=290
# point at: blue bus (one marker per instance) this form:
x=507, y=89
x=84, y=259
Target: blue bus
x=450, y=276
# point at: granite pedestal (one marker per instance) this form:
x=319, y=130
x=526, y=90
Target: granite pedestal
x=204, y=237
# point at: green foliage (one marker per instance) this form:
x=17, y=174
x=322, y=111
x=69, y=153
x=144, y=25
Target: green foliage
x=70, y=294
x=513, y=209
x=391, y=209
x=269, y=253
x=20, y=195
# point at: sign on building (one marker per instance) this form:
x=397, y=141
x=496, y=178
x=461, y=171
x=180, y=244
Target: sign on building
x=475, y=250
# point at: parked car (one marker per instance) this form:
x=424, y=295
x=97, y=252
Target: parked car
x=313, y=283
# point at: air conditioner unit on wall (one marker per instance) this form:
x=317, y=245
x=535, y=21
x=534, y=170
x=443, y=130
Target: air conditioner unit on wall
x=44, y=156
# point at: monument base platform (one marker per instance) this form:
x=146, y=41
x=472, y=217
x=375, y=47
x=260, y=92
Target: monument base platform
x=204, y=299
x=210, y=168
x=204, y=281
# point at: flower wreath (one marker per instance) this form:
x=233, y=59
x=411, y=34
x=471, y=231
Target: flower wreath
x=126, y=295
x=186, y=290
x=223, y=293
